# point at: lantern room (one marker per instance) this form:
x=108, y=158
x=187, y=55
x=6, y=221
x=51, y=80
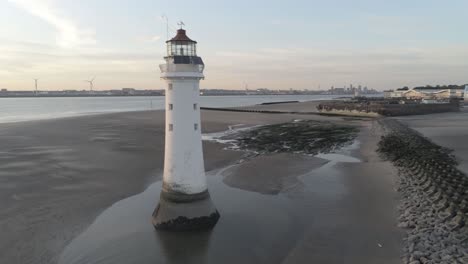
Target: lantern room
x=181, y=45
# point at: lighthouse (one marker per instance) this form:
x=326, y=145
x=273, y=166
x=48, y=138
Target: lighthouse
x=185, y=202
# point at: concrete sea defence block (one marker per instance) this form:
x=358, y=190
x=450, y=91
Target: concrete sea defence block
x=434, y=194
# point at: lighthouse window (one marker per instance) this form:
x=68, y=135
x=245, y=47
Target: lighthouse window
x=181, y=48
x=171, y=127
x=195, y=126
x=170, y=86
x=195, y=106
x=171, y=106
x=169, y=51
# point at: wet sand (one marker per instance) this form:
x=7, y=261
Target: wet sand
x=448, y=130
x=271, y=174
x=57, y=177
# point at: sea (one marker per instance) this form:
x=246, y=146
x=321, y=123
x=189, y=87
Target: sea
x=26, y=109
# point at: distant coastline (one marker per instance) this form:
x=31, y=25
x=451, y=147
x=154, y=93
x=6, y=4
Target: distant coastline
x=5, y=93
x=19, y=109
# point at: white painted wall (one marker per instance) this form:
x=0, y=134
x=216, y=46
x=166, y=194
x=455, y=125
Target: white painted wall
x=184, y=169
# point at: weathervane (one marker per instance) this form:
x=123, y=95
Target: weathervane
x=181, y=24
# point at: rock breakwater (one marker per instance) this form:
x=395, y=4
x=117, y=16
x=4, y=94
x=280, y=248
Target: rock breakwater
x=434, y=206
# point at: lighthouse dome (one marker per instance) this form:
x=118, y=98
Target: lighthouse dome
x=181, y=45
x=181, y=36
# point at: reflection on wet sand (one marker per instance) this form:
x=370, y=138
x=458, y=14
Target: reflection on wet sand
x=254, y=227
x=275, y=207
x=329, y=208
x=251, y=226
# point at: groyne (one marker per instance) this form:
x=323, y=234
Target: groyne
x=281, y=102
x=374, y=108
x=257, y=111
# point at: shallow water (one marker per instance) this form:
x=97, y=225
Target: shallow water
x=24, y=109
x=253, y=228
x=124, y=234
x=343, y=155
x=228, y=136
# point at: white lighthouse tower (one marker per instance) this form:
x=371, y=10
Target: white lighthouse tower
x=185, y=203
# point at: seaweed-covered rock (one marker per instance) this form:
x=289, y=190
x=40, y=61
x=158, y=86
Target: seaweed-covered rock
x=300, y=136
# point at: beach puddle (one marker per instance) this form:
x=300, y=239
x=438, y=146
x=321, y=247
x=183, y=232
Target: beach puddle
x=253, y=228
x=338, y=157
x=326, y=181
x=342, y=155
x=228, y=136
x=124, y=233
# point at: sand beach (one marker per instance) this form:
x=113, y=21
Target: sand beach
x=67, y=182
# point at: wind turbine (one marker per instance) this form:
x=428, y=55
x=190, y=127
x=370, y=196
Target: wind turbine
x=91, y=84
x=35, y=82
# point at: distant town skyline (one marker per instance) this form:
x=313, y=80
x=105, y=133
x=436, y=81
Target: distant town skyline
x=203, y=92
x=272, y=44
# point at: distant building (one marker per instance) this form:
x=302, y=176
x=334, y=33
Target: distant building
x=428, y=92
x=442, y=91
x=394, y=94
x=339, y=90
x=466, y=92
x=129, y=91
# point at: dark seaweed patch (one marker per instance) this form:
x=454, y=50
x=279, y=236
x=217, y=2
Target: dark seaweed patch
x=305, y=136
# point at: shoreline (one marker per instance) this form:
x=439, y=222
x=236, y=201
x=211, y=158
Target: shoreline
x=298, y=243
x=77, y=161
x=58, y=175
x=76, y=115
x=74, y=107
x=110, y=112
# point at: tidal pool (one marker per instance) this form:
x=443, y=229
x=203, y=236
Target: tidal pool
x=253, y=228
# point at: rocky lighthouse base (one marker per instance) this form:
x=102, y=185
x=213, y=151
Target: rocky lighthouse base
x=185, y=212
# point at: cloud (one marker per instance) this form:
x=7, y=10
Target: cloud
x=277, y=22
x=381, y=68
x=69, y=34
x=19, y=59
x=397, y=27
x=148, y=39
x=155, y=38
x=66, y=68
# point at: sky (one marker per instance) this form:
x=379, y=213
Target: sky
x=263, y=44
